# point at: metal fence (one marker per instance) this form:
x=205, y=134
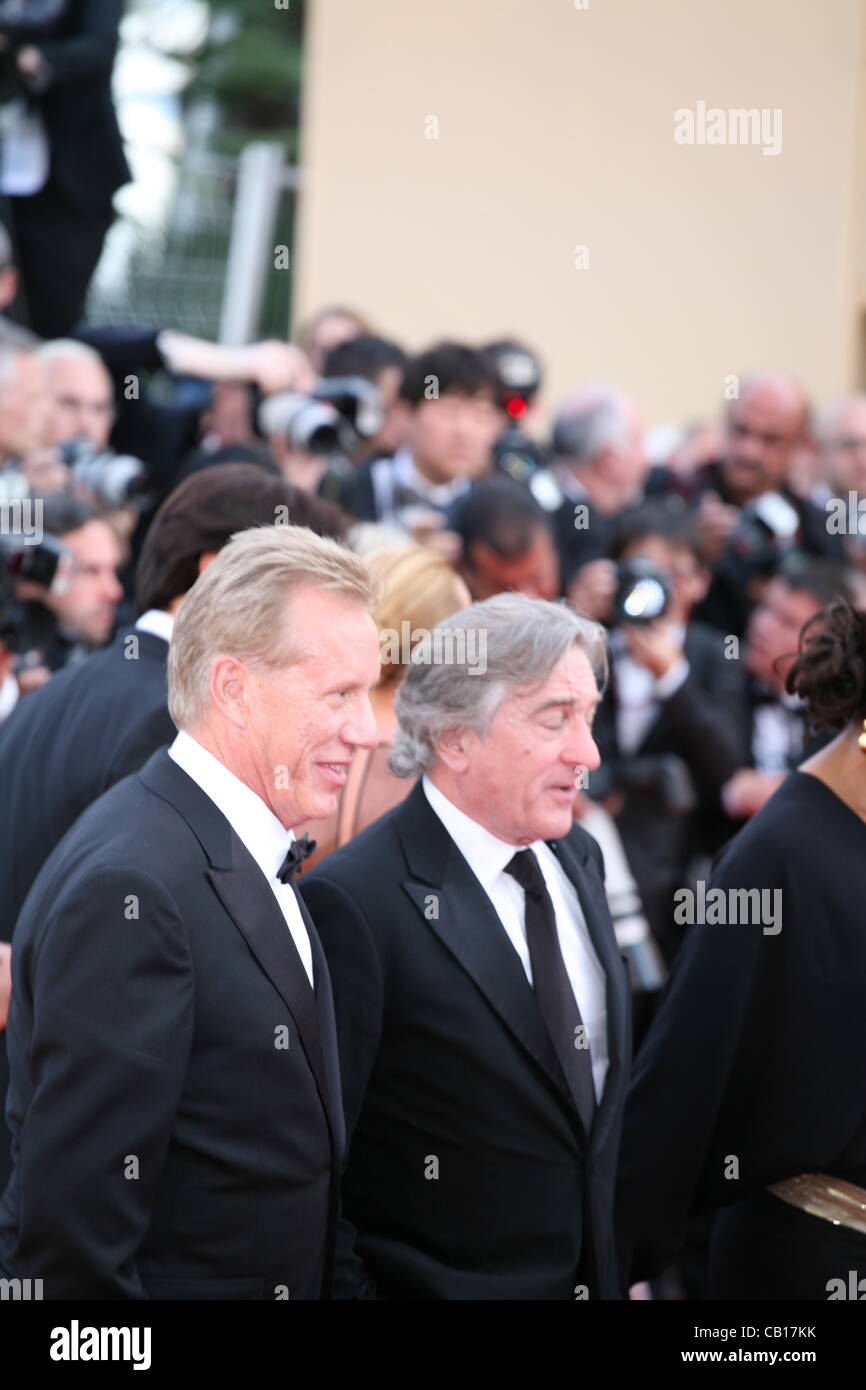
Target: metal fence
x=210, y=270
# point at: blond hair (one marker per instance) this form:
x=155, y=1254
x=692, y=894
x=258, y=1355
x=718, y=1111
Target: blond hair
x=238, y=606
x=416, y=586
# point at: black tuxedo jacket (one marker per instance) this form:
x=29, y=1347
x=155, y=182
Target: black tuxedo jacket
x=87, y=160
x=174, y=1088
x=68, y=742
x=703, y=724
x=469, y=1175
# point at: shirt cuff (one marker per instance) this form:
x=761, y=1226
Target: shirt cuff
x=668, y=684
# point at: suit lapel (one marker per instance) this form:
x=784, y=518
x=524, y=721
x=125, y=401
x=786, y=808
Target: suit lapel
x=456, y=908
x=327, y=1030
x=249, y=901
x=247, y=897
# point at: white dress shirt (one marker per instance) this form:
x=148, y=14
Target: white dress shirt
x=255, y=825
x=389, y=474
x=157, y=622
x=487, y=857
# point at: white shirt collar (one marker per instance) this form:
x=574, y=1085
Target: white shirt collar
x=405, y=472
x=252, y=820
x=157, y=622
x=485, y=853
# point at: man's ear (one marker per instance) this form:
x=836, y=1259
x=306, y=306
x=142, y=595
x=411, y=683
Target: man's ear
x=451, y=748
x=229, y=690
x=205, y=558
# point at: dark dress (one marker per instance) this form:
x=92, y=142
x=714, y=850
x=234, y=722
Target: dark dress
x=754, y=1069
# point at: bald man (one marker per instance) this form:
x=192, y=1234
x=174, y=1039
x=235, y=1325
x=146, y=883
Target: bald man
x=749, y=514
x=80, y=392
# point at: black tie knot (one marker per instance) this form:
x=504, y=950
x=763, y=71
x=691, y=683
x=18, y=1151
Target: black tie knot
x=527, y=870
x=298, y=851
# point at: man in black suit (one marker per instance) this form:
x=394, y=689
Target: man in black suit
x=598, y=467
x=748, y=505
x=671, y=727
x=174, y=1088
x=101, y=719
x=59, y=227
x=482, y=1004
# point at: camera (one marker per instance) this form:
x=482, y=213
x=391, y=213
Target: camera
x=37, y=563
x=642, y=594
x=518, y=374
x=768, y=526
x=338, y=414
x=115, y=479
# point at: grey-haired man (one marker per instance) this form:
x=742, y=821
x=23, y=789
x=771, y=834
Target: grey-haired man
x=482, y=1004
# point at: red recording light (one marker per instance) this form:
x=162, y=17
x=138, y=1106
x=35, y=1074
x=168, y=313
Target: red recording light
x=515, y=407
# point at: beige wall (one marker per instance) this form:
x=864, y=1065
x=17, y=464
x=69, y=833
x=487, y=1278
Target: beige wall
x=556, y=130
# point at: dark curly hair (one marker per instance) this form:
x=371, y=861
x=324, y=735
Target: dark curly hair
x=829, y=671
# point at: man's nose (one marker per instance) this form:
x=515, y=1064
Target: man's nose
x=362, y=731
x=113, y=587
x=582, y=750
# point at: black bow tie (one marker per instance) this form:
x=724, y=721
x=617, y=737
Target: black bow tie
x=298, y=851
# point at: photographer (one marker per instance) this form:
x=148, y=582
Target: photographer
x=62, y=154
x=747, y=511
x=598, y=467
x=670, y=727
x=452, y=421
x=63, y=616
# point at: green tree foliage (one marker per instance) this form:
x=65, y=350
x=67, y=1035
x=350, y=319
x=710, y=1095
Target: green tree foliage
x=251, y=65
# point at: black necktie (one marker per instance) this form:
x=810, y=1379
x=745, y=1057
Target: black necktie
x=298, y=851
x=552, y=986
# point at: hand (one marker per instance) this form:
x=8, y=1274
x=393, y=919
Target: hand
x=276, y=366
x=748, y=790
x=715, y=522
x=653, y=646
x=593, y=587
x=5, y=981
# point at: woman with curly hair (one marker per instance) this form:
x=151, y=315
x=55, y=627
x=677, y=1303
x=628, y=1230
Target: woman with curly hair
x=749, y=1094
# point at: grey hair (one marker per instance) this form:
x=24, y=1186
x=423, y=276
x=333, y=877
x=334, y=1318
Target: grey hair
x=590, y=421
x=523, y=640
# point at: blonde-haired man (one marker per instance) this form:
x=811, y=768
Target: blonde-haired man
x=174, y=1094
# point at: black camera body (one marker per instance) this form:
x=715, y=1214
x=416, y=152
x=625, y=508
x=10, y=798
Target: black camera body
x=642, y=594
